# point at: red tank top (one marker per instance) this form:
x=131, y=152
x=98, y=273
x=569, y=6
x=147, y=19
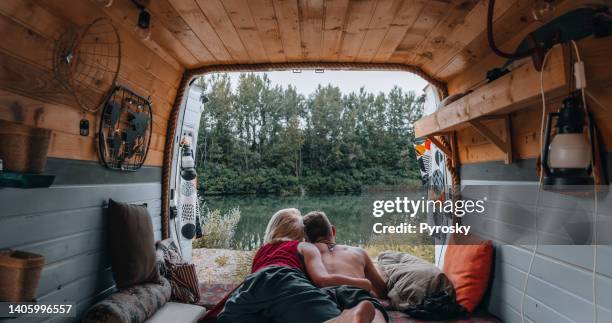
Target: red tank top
x=283, y=253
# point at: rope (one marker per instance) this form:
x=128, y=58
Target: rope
x=168, y=153
x=456, y=179
x=440, y=85
x=188, y=75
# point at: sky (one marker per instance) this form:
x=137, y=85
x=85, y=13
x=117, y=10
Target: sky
x=374, y=81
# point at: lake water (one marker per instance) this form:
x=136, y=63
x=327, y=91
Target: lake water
x=351, y=214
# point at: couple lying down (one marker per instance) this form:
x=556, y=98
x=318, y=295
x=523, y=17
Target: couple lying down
x=311, y=282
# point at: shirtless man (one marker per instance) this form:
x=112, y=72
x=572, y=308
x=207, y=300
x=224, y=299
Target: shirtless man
x=341, y=259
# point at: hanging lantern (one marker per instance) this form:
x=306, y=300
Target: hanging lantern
x=188, y=171
x=566, y=157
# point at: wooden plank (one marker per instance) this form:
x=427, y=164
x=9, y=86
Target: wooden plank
x=39, y=19
x=311, y=26
x=383, y=17
x=197, y=21
x=37, y=49
x=505, y=146
x=216, y=14
x=289, y=25
x=58, y=117
x=463, y=32
x=438, y=143
x=512, y=91
x=333, y=25
x=163, y=11
x=124, y=13
x=436, y=39
x=433, y=12
x=14, y=77
x=402, y=23
x=470, y=65
x=267, y=24
x=64, y=145
x=134, y=51
x=359, y=16
x=242, y=19
x=83, y=12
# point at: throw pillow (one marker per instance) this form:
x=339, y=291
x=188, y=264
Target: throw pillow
x=132, y=245
x=468, y=265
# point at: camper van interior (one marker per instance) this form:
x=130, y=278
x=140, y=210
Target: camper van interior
x=105, y=125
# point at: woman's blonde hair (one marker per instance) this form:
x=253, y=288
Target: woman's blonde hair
x=285, y=225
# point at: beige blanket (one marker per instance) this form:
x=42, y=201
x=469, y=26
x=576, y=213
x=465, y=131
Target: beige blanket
x=409, y=279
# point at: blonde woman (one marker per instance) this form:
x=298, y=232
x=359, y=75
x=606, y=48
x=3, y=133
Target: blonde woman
x=285, y=283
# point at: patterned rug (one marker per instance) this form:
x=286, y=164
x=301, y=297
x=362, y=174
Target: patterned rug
x=211, y=294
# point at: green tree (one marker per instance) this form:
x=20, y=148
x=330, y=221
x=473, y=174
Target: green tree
x=264, y=139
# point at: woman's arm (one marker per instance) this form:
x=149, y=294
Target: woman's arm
x=319, y=275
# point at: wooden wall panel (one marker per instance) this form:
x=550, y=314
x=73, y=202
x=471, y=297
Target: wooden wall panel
x=30, y=95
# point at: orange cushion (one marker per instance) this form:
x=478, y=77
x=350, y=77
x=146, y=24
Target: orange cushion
x=468, y=267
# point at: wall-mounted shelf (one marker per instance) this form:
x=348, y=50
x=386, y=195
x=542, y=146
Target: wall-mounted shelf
x=22, y=180
x=510, y=92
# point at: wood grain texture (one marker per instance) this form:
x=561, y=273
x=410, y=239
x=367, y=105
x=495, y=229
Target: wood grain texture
x=511, y=91
x=197, y=21
x=333, y=27
x=311, y=20
x=358, y=19
x=267, y=25
x=30, y=95
x=288, y=19
x=239, y=12
x=220, y=21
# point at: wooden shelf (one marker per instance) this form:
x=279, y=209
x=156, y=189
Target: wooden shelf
x=21, y=180
x=510, y=92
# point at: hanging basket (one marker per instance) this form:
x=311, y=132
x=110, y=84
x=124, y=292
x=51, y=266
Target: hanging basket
x=23, y=149
x=19, y=275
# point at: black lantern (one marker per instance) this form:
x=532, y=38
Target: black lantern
x=566, y=158
x=188, y=171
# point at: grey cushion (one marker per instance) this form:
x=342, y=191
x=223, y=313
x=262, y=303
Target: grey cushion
x=410, y=279
x=177, y=312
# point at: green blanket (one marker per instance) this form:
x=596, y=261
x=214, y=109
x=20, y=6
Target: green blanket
x=281, y=294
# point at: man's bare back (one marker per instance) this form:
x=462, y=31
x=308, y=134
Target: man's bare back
x=352, y=262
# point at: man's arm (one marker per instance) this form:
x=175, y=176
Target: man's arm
x=319, y=275
x=379, y=286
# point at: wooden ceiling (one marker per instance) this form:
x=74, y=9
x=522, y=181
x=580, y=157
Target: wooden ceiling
x=432, y=34
x=442, y=37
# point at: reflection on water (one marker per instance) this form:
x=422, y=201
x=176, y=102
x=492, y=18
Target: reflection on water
x=351, y=214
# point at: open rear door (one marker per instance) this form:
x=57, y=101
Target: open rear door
x=184, y=196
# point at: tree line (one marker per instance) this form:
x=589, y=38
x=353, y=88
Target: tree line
x=259, y=138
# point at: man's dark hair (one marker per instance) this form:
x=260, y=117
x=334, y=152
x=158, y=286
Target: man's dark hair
x=316, y=226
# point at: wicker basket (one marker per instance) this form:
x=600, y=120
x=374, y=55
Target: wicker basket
x=19, y=275
x=23, y=148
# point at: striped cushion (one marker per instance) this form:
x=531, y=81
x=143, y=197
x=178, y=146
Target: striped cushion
x=184, y=281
